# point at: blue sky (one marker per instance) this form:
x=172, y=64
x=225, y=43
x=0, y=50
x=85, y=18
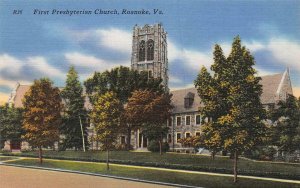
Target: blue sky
x=34, y=46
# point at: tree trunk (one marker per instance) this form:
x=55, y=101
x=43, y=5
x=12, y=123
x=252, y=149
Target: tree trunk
x=235, y=167
x=107, y=159
x=160, y=147
x=213, y=154
x=128, y=138
x=40, y=155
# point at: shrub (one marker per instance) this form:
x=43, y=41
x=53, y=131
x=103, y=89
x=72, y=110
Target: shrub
x=153, y=146
x=261, y=153
x=121, y=147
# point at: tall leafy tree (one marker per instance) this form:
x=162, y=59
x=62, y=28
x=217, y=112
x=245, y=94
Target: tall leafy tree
x=150, y=111
x=246, y=112
x=74, y=112
x=157, y=113
x=42, y=114
x=134, y=113
x=286, y=125
x=234, y=101
x=106, y=117
x=10, y=124
x=122, y=81
x=208, y=90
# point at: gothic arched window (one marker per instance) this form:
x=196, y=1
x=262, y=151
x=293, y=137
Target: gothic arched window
x=150, y=50
x=142, y=51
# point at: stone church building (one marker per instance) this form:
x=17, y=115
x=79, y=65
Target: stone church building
x=149, y=53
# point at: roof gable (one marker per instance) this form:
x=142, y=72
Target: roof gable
x=270, y=85
x=22, y=89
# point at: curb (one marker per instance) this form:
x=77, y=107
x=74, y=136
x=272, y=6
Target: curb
x=101, y=175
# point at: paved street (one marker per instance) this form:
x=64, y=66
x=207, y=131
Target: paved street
x=15, y=177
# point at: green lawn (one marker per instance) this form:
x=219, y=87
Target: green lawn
x=182, y=161
x=156, y=175
x=4, y=158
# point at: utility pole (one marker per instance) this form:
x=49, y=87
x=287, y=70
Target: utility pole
x=83, y=144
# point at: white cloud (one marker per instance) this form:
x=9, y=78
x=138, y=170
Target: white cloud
x=254, y=46
x=226, y=47
x=89, y=61
x=16, y=68
x=10, y=64
x=191, y=85
x=175, y=80
x=115, y=39
x=112, y=38
x=285, y=51
x=192, y=58
x=41, y=65
x=7, y=83
x=263, y=72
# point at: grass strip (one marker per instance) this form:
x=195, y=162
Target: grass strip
x=5, y=158
x=155, y=175
x=178, y=161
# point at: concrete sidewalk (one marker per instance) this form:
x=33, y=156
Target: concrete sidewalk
x=14, y=177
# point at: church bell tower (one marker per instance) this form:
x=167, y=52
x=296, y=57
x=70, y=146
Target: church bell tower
x=149, y=51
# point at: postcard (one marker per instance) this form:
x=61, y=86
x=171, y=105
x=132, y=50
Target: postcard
x=142, y=93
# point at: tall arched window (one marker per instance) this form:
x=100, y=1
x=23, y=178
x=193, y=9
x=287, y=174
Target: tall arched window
x=142, y=51
x=150, y=50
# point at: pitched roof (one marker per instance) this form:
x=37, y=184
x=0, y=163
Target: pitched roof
x=178, y=100
x=269, y=83
x=22, y=89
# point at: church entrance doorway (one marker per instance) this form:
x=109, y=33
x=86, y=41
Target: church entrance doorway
x=15, y=145
x=143, y=142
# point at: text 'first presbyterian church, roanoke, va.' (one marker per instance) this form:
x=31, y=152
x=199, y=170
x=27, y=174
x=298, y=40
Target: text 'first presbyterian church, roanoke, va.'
x=150, y=54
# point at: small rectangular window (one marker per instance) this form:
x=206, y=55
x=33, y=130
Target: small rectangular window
x=198, y=119
x=187, y=135
x=197, y=133
x=178, y=137
x=187, y=120
x=178, y=120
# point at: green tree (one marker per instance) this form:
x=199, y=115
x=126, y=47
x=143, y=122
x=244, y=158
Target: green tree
x=42, y=114
x=74, y=112
x=208, y=90
x=150, y=111
x=10, y=124
x=213, y=91
x=286, y=125
x=233, y=100
x=107, y=121
x=122, y=81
